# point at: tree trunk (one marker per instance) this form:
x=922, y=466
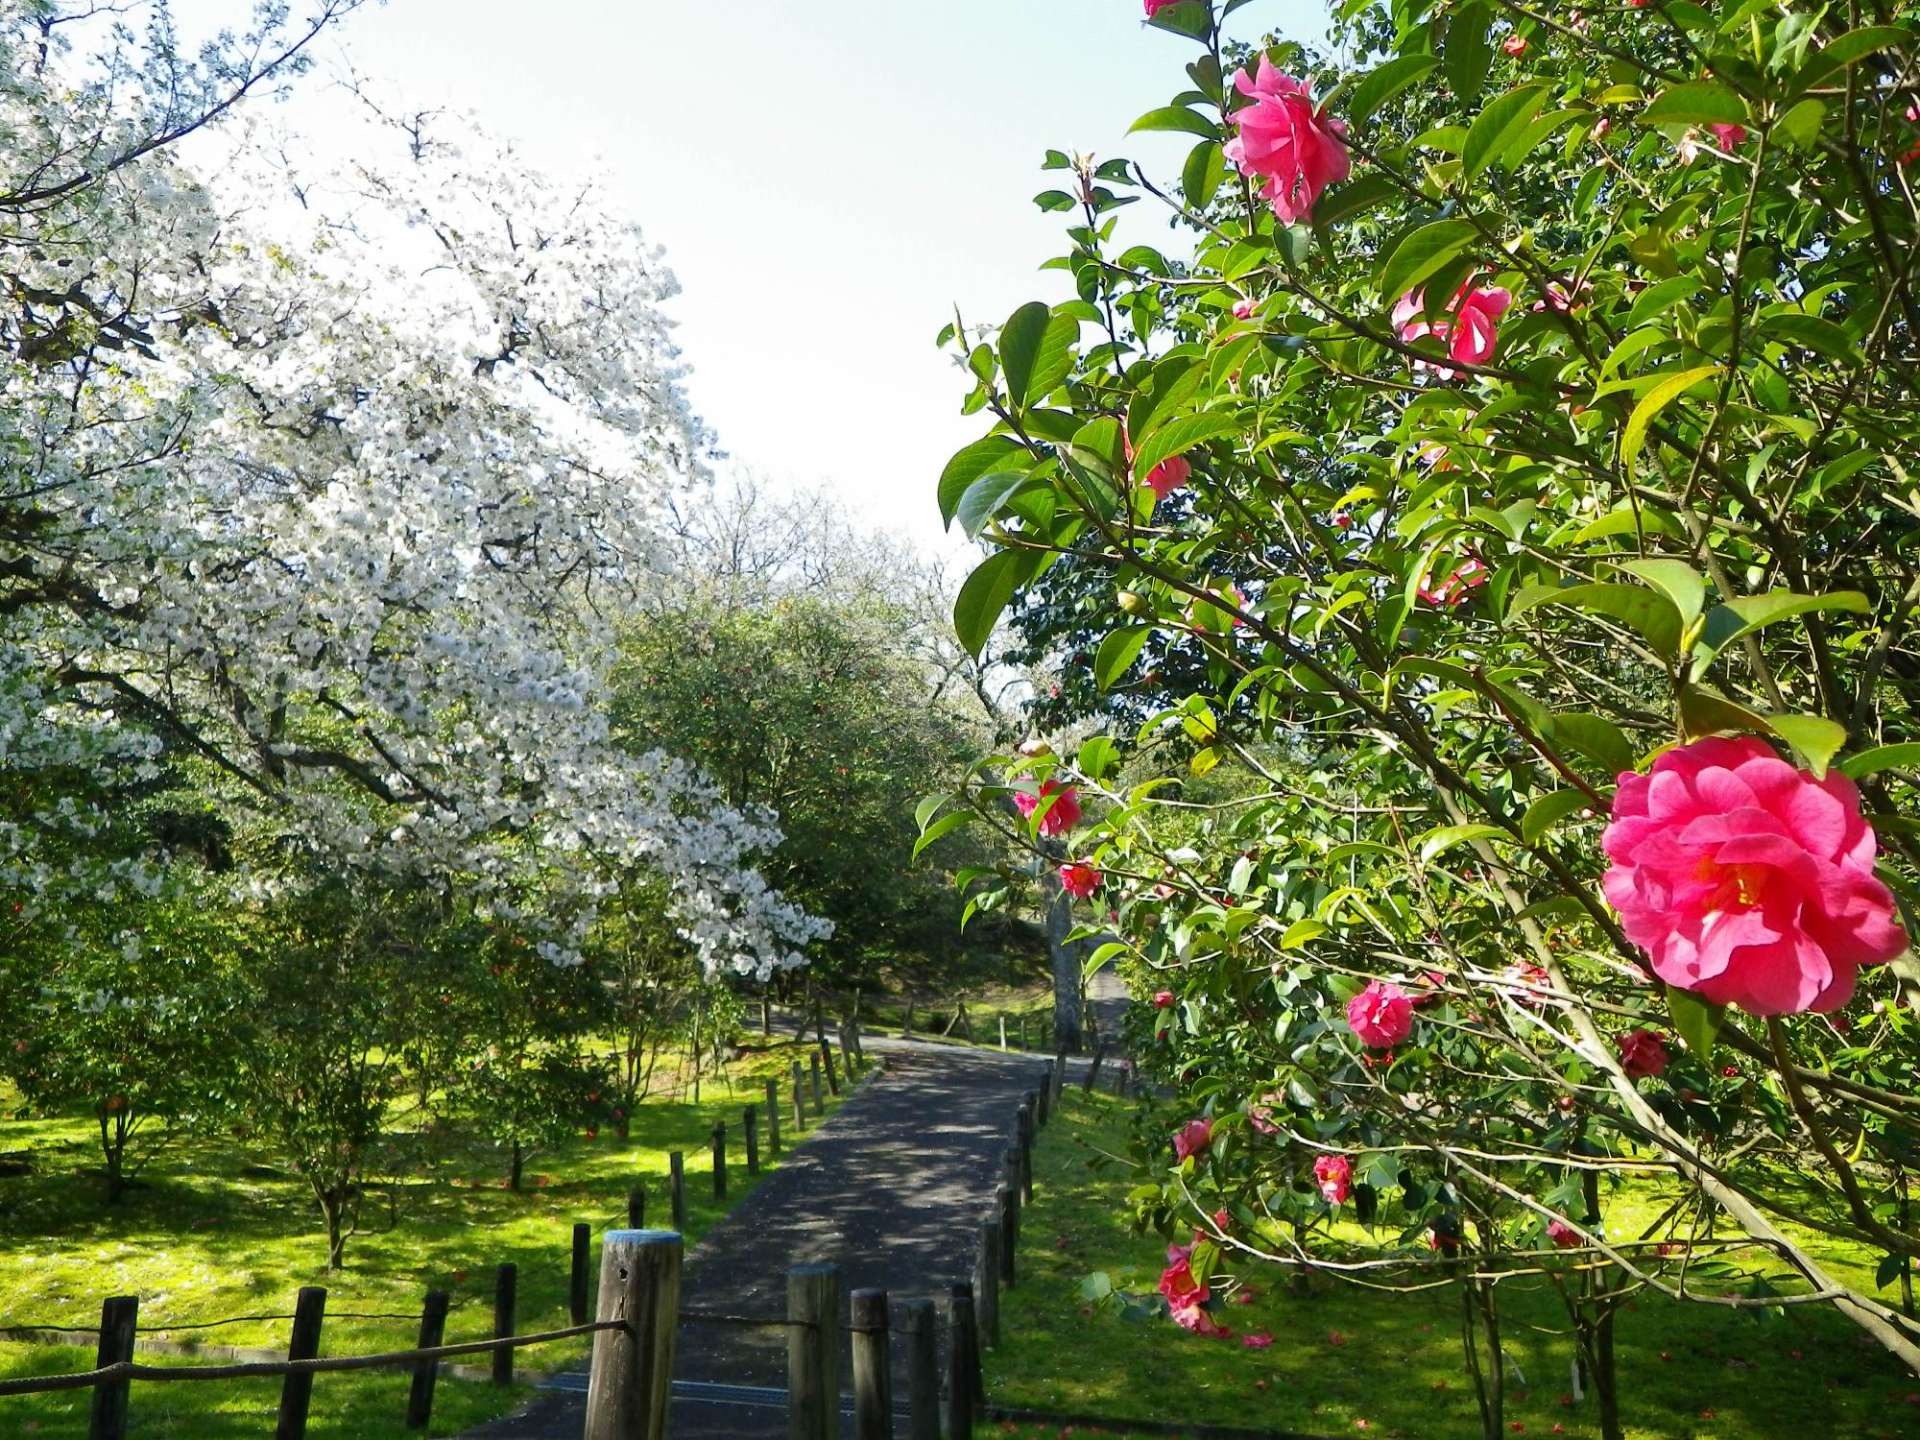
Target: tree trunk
x=113, y=1146
x=1068, y=1032
x=333, y=1210
x=1606, y=1378
x=519, y=1164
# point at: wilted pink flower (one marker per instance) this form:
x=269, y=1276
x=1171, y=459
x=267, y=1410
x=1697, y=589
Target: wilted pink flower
x=1261, y=1117
x=1468, y=328
x=1514, y=44
x=1284, y=141
x=1162, y=999
x=1243, y=310
x=1079, y=879
x=1342, y=520
x=1563, y=1235
x=1168, y=476
x=1746, y=880
x=1381, y=1015
x=1642, y=1054
x=1562, y=299
x=1196, y=1319
x=1192, y=1137
x=1334, y=1175
x=1257, y=1342
x=1452, y=592
x=1061, y=817
x=1222, y=1221
x=1728, y=137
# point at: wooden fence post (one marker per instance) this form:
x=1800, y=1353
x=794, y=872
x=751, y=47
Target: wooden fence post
x=1042, y=1099
x=119, y=1319
x=906, y=1033
x=637, y=1208
x=631, y=1378
x=753, y=1140
x=719, y=1159
x=773, y=1117
x=1007, y=1207
x=813, y=1352
x=959, y=1365
x=577, y=1275
x=819, y=1101
x=986, y=1284
x=296, y=1391
x=872, y=1367
x=506, y=1296
x=1059, y=1073
x=826, y=1059
x=677, y=1189
x=923, y=1372
x=433, y=1330
x=1003, y=1032
x=1093, y=1070
x=1023, y=1133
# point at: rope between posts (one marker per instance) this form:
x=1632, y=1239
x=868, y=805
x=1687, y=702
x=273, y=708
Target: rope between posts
x=150, y=1327
x=133, y=1370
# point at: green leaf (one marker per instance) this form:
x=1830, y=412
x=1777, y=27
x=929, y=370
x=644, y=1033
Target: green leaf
x=924, y=811
x=1697, y=102
x=1904, y=756
x=1356, y=197
x=1548, y=811
x=1679, y=581
x=1302, y=932
x=1695, y=1021
x=1381, y=84
x=1816, y=738
x=1596, y=738
x=1098, y=959
x=1206, y=167
x=1096, y=756
x=1096, y=1287
x=1707, y=712
x=1117, y=653
x=986, y=593
x=1176, y=117
x=1191, y=18
x=944, y=826
x=985, y=497
x=969, y=465
x=1054, y=359
x=1420, y=254
x=1652, y=615
x=1656, y=400
x=1469, y=49
x=1499, y=126
x=1437, y=842
x=1810, y=332
x=1178, y=436
x=1738, y=618
x=1020, y=342
x=1801, y=125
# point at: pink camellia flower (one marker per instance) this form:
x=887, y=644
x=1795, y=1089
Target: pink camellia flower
x=1468, y=328
x=1642, y=1054
x=1196, y=1319
x=1168, y=476
x=1261, y=1118
x=1514, y=44
x=1257, y=1342
x=1453, y=591
x=1284, y=141
x=1381, y=1015
x=1162, y=999
x=1177, y=1282
x=1334, y=1175
x=1562, y=299
x=1192, y=1137
x=1061, y=817
x=1746, y=880
x=1243, y=310
x=1728, y=137
x=1079, y=879
x=1563, y=1235
x=1222, y=1221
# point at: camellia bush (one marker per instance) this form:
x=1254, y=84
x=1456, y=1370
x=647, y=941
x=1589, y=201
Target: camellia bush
x=1488, y=520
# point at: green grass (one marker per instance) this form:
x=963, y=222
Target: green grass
x=1341, y=1355
x=216, y=1230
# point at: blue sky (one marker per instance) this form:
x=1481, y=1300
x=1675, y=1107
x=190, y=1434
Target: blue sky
x=827, y=179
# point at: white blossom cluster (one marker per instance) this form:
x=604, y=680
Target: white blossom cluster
x=325, y=482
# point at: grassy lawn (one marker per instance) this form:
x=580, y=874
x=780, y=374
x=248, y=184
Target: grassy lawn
x=1343, y=1356
x=215, y=1230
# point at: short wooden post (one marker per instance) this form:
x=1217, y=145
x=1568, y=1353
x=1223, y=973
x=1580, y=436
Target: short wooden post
x=1023, y=1032
x=906, y=1033
x=636, y=1208
x=813, y=1352
x=1059, y=1073
x=923, y=1372
x=719, y=1159
x=433, y=1330
x=1093, y=1069
x=819, y=1100
x=631, y=1379
x=296, y=1389
x=577, y=1276
x=986, y=1284
x=1003, y=1031
x=119, y=1320
x=959, y=1365
x=773, y=1117
x=1007, y=1208
x=799, y=1105
x=826, y=1059
x=872, y=1367
x=677, y=1189
x=506, y=1296
x=1043, y=1100
x=1023, y=1134
x=753, y=1140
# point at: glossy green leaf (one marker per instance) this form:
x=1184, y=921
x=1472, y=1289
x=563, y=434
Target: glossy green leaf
x=1021, y=339
x=1904, y=756
x=969, y=465
x=1548, y=811
x=1420, y=254
x=1695, y=1021
x=1436, y=843
x=1117, y=652
x=1696, y=102
x=1677, y=580
x=941, y=828
x=1176, y=117
x=1178, y=436
x=1634, y=437
x=1815, y=738
x=1499, y=126
x=1592, y=736
x=1739, y=618
x=1469, y=48
x=1383, y=82
x=1200, y=178
x=983, y=598
x=1654, y=616
x=984, y=499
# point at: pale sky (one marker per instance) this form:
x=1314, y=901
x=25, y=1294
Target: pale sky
x=828, y=180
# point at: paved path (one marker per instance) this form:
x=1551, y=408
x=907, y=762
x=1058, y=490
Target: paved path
x=892, y=1188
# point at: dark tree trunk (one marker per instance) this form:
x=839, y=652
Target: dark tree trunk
x=519, y=1165
x=1068, y=1024
x=333, y=1209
